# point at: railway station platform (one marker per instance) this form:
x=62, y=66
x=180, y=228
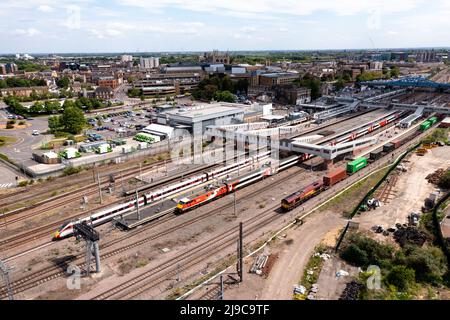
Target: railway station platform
x=167, y=206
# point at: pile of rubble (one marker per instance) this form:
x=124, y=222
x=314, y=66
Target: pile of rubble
x=323, y=256
x=435, y=176
x=409, y=235
x=351, y=291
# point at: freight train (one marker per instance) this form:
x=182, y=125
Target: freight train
x=106, y=215
x=312, y=190
x=229, y=186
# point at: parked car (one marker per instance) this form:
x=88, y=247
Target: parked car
x=35, y=133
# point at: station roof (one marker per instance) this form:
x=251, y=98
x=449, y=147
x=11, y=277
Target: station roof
x=158, y=129
x=205, y=112
x=273, y=117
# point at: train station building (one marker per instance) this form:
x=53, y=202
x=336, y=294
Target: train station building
x=203, y=116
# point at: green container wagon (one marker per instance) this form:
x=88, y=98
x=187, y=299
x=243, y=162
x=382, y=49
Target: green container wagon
x=433, y=120
x=356, y=165
x=425, y=126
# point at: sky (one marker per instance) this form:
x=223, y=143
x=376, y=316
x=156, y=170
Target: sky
x=76, y=26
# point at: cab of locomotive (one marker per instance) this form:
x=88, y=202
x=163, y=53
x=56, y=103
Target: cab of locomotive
x=58, y=235
x=182, y=203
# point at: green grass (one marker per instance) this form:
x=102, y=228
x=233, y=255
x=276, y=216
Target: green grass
x=349, y=198
x=4, y=141
x=315, y=264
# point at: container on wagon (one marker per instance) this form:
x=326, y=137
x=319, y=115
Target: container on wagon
x=356, y=165
x=334, y=177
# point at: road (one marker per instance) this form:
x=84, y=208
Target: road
x=289, y=267
x=21, y=150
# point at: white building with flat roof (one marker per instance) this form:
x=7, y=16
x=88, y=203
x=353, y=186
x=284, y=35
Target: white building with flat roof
x=220, y=113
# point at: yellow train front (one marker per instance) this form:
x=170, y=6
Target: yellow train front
x=299, y=197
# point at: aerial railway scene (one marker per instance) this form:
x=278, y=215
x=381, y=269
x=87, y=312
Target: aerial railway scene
x=225, y=175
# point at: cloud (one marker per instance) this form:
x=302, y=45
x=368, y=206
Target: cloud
x=248, y=29
x=26, y=32
x=45, y=8
x=105, y=33
x=271, y=7
x=73, y=17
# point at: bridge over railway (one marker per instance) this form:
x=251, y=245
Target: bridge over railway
x=407, y=82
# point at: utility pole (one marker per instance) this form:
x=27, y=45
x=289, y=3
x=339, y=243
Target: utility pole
x=221, y=288
x=241, y=253
x=99, y=188
x=137, y=205
x=5, y=275
x=121, y=181
x=234, y=195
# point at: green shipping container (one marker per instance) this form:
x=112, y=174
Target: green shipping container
x=433, y=120
x=425, y=126
x=356, y=165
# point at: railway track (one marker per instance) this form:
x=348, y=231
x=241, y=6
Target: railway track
x=50, y=273
x=66, y=198
x=8, y=199
x=190, y=258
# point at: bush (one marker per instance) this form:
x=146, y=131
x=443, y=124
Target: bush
x=429, y=263
x=401, y=277
x=9, y=126
x=11, y=122
x=355, y=256
x=23, y=183
x=72, y=170
x=22, y=123
x=376, y=253
x=444, y=182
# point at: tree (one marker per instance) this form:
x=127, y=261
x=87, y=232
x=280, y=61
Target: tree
x=37, y=107
x=401, y=277
x=72, y=120
x=354, y=255
x=63, y=82
x=52, y=106
x=339, y=85
x=54, y=124
x=225, y=96
x=395, y=72
x=69, y=104
x=429, y=263
x=444, y=182
x=135, y=92
x=312, y=83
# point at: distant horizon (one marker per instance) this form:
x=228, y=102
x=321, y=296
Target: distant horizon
x=3, y=54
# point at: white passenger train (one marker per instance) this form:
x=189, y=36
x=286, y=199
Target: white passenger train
x=106, y=215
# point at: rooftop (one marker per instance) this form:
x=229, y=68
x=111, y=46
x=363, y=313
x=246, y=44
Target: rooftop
x=203, y=112
x=279, y=74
